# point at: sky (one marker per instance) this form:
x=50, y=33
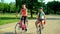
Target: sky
x=8, y=1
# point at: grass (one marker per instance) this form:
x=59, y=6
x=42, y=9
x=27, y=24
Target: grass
x=10, y=18
x=2, y=22
x=7, y=18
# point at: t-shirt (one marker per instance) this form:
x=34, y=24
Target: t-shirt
x=24, y=12
x=41, y=15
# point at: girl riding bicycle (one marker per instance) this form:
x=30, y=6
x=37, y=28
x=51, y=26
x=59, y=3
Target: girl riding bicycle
x=40, y=18
x=24, y=15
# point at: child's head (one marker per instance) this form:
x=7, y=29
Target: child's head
x=40, y=9
x=24, y=6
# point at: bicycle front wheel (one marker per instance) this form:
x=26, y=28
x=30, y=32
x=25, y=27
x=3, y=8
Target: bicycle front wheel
x=18, y=30
x=39, y=29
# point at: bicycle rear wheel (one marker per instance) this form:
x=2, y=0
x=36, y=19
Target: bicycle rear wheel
x=18, y=30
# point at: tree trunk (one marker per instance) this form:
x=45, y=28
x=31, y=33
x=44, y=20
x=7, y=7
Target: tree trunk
x=31, y=13
x=54, y=12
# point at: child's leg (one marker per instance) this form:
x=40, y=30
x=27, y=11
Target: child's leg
x=25, y=18
x=36, y=24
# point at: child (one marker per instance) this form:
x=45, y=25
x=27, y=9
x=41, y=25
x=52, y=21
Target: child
x=24, y=15
x=41, y=18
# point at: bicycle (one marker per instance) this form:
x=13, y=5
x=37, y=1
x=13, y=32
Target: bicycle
x=39, y=30
x=19, y=27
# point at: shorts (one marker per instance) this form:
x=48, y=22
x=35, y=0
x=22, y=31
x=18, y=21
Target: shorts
x=24, y=19
x=39, y=20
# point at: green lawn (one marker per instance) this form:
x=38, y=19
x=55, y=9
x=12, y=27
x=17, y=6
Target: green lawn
x=8, y=21
x=10, y=18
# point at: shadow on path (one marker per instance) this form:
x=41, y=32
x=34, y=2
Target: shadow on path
x=8, y=33
x=53, y=18
x=14, y=33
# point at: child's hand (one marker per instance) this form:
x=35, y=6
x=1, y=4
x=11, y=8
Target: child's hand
x=18, y=15
x=37, y=16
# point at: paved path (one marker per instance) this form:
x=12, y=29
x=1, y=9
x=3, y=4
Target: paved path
x=52, y=27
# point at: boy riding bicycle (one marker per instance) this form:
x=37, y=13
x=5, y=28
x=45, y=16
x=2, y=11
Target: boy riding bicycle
x=24, y=15
x=41, y=18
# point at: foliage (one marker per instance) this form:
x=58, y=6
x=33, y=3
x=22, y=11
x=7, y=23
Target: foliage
x=1, y=6
x=7, y=8
x=54, y=5
x=32, y=5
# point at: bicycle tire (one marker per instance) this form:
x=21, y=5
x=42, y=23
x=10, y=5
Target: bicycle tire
x=17, y=25
x=39, y=29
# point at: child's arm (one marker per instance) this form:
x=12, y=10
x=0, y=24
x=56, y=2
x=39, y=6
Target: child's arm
x=37, y=15
x=44, y=16
x=19, y=12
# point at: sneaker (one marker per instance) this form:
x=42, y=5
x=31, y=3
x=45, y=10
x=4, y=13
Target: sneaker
x=26, y=29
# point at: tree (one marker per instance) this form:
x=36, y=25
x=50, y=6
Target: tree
x=32, y=5
x=12, y=7
x=18, y=5
x=54, y=5
x=1, y=6
x=6, y=7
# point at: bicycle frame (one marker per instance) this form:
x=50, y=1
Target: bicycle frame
x=20, y=25
x=23, y=26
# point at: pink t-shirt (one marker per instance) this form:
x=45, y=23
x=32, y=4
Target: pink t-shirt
x=24, y=12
